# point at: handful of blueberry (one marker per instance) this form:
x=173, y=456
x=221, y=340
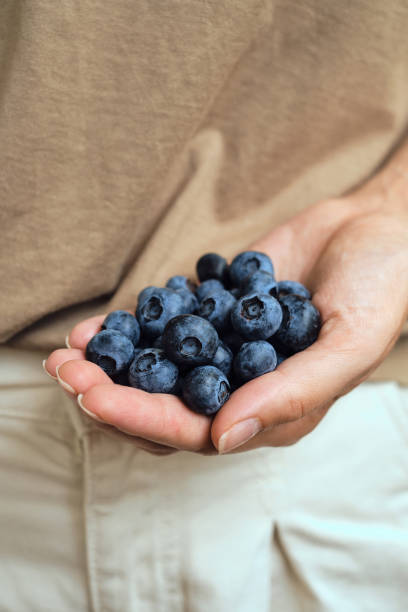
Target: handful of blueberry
x=202, y=342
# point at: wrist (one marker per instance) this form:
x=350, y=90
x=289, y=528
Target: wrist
x=386, y=191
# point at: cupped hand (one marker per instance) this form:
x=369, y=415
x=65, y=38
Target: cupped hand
x=158, y=423
x=354, y=258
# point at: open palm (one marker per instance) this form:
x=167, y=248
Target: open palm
x=354, y=261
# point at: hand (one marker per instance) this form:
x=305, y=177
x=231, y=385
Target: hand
x=354, y=258
x=158, y=423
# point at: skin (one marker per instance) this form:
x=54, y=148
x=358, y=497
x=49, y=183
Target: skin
x=352, y=253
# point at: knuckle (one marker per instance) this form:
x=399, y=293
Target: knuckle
x=296, y=408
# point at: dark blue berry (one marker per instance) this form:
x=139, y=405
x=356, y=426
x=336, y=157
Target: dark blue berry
x=212, y=265
x=151, y=371
x=288, y=287
x=260, y=282
x=180, y=282
x=147, y=291
x=280, y=358
x=254, y=359
x=233, y=340
x=256, y=316
x=300, y=325
x=205, y=389
x=111, y=351
x=223, y=358
x=157, y=342
x=216, y=308
x=247, y=263
x=190, y=340
x=157, y=308
x=209, y=286
x=235, y=292
x=125, y=323
x=189, y=299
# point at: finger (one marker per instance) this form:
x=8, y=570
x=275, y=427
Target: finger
x=157, y=417
x=81, y=334
x=311, y=379
x=60, y=356
x=287, y=433
x=77, y=376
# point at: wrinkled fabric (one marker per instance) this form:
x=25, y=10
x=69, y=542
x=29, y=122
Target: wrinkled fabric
x=89, y=522
x=136, y=136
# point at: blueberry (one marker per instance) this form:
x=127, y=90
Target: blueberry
x=111, y=351
x=157, y=342
x=147, y=291
x=233, y=340
x=180, y=282
x=205, y=389
x=207, y=287
x=254, y=359
x=189, y=299
x=124, y=322
x=223, y=359
x=190, y=340
x=247, y=263
x=256, y=316
x=235, y=292
x=212, y=265
x=280, y=358
x=300, y=325
x=216, y=308
x=260, y=282
x=156, y=309
x=288, y=287
x=152, y=372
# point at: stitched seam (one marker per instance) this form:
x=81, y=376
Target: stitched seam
x=90, y=535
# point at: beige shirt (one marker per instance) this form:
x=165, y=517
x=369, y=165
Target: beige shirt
x=136, y=136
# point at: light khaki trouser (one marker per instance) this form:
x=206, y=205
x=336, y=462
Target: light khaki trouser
x=90, y=523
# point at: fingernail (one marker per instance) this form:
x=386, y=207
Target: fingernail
x=239, y=434
x=88, y=412
x=64, y=384
x=47, y=372
x=67, y=344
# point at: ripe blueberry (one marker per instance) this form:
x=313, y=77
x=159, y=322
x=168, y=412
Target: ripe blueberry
x=111, y=351
x=233, y=340
x=254, y=359
x=156, y=309
x=147, y=291
x=212, y=265
x=190, y=340
x=288, y=287
x=207, y=287
x=125, y=323
x=256, y=316
x=205, y=389
x=223, y=359
x=152, y=372
x=300, y=325
x=247, y=263
x=260, y=282
x=216, y=308
x=180, y=282
x=189, y=299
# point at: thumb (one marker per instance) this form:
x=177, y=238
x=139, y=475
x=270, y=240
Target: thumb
x=310, y=380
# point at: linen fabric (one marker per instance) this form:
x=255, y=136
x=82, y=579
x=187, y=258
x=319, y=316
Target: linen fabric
x=90, y=523
x=135, y=136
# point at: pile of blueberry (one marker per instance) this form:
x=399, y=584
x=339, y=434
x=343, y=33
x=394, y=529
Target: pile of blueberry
x=202, y=342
